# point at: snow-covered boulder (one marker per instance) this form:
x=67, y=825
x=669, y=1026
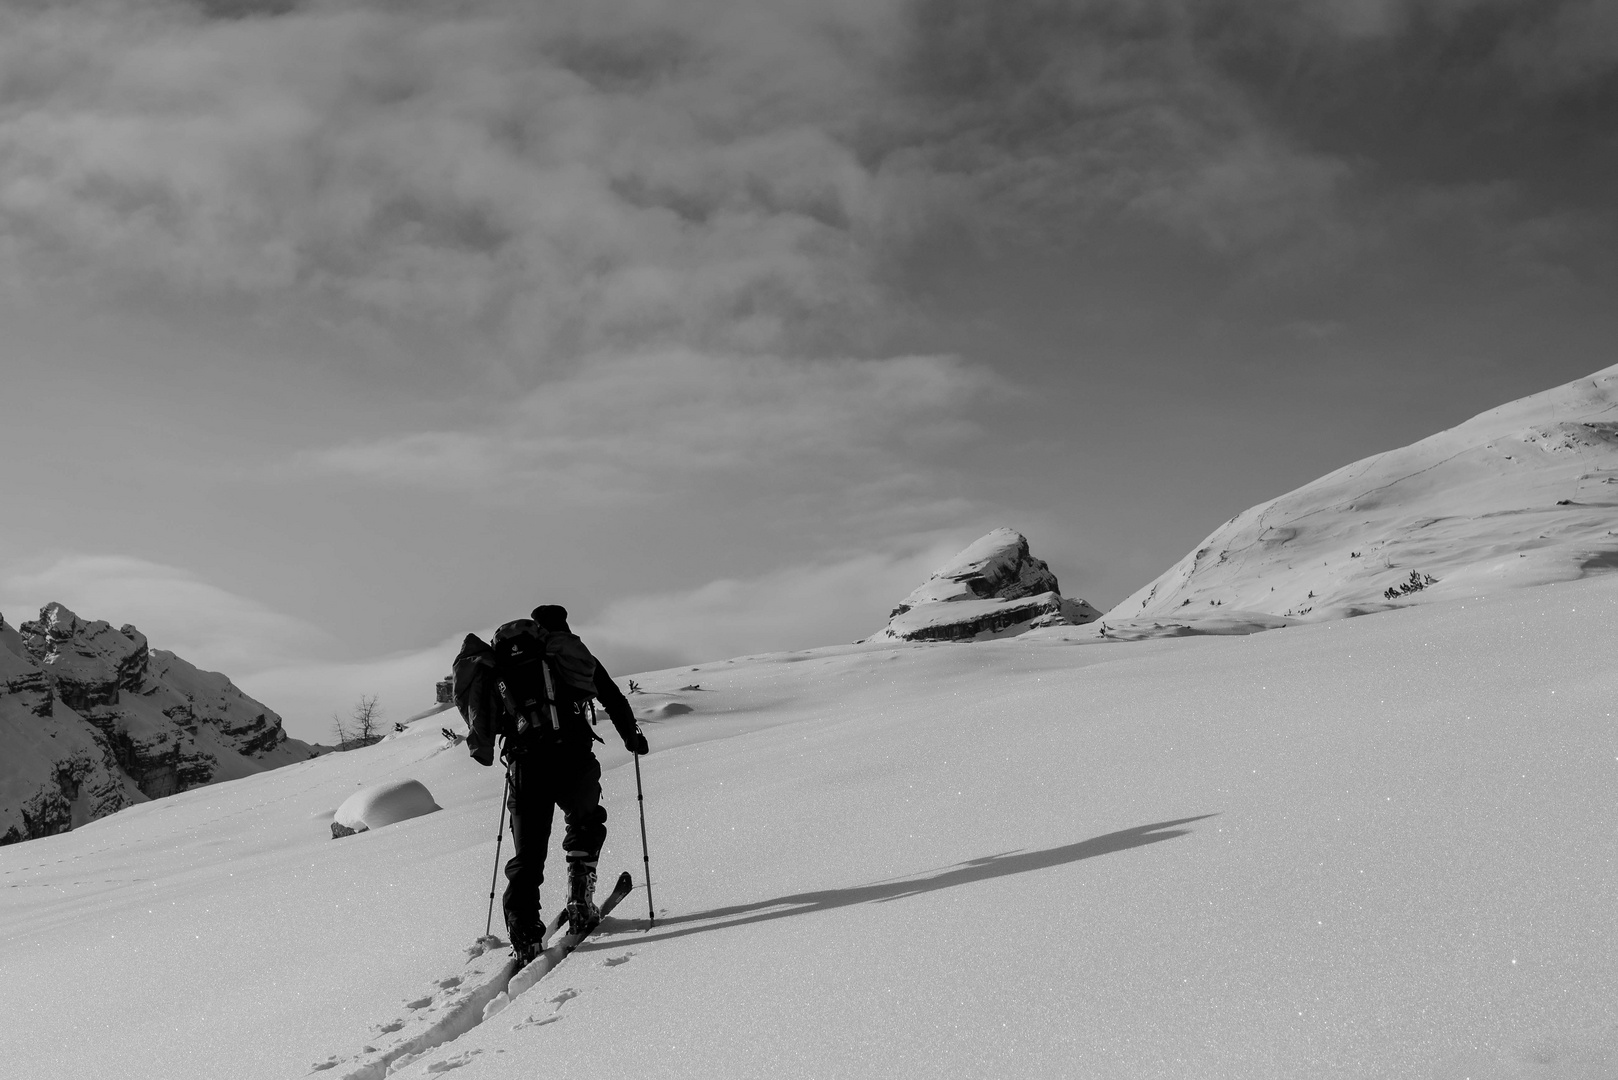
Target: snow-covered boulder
x=382, y=804
x=92, y=720
x=994, y=588
x=1524, y=494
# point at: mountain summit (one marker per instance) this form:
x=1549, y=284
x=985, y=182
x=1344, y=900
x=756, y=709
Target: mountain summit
x=1524, y=494
x=92, y=721
x=994, y=588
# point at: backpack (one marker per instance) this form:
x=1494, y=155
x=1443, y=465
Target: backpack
x=543, y=677
x=474, y=694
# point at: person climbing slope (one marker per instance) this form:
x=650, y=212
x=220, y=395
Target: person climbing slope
x=529, y=689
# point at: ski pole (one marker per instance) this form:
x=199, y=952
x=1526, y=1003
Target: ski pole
x=499, y=837
x=646, y=857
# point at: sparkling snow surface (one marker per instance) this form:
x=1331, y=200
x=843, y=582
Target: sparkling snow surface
x=1380, y=847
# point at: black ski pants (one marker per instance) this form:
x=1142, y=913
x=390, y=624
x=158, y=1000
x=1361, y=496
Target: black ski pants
x=542, y=781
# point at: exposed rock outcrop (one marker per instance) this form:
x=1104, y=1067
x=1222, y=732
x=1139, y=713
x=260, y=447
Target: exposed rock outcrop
x=92, y=720
x=994, y=588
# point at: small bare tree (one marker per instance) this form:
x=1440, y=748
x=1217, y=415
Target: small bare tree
x=361, y=728
x=367, y=720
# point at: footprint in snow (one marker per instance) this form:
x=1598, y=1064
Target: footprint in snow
x=452, y=1063
x=614, y=961
x=389, y=1029
x=556, y=1014
x=322, y=1066
x=450, y=983
x=419, y=1003
x=537, y=1022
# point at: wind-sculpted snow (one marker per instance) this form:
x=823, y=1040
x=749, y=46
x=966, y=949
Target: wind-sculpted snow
x=383, y=804
x=1521, y=495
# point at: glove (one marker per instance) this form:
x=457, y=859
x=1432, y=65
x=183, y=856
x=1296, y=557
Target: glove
x=636, y=743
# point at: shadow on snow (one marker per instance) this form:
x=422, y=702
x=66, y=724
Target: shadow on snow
x=990, y=866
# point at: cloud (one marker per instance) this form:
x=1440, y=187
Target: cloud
x=797, y=607
x=792, y=608
x=276, y=658
x=1574, y=48
x=634, y=424
x=558, y=177
x=731, y=176
x=177, y=611
x=574, y=178
x=307, y=694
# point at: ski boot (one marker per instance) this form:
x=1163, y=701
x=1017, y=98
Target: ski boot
x=526, y=944
x=582, y=912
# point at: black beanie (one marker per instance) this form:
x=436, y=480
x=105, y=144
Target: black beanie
x=551, y=617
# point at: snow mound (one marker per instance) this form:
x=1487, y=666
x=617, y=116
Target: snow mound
x=1522, y=495
x=994, y=588
x=666, y=709
x=382, y=804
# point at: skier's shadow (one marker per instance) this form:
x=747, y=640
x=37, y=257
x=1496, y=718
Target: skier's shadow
x=991, y=866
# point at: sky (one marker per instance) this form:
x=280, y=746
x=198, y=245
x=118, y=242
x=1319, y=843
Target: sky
x=334, y=331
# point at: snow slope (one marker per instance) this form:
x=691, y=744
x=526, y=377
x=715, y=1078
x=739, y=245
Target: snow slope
x=1380, y=847
x=1520, y=495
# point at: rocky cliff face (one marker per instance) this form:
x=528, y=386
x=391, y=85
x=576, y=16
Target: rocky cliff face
x=92, y=720
x=994, y=588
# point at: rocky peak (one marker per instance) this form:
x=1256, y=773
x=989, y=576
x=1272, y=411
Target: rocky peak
x=993, y=588
x=90, y=662
x=92, y=720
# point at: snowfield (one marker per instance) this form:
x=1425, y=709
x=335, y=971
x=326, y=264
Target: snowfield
x=1520, y=495
x=1377, y=847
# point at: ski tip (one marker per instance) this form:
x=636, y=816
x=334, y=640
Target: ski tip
x=625, y=881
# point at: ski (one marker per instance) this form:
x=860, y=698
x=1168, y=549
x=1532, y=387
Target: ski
x=550, y=928
x=542, y=964
x=455, y=1005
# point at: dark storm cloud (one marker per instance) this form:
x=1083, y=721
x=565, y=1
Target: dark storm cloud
x=242, y=9
x=1525, y=93
x=1254, y=122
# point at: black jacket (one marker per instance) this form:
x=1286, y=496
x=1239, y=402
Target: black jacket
x=478, y=697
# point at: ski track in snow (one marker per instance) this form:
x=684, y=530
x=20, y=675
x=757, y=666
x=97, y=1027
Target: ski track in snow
x=456, y=1005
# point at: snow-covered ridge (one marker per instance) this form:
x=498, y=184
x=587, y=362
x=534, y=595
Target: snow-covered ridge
x=1524, y=494
x=92, y=720
x=994, y=588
